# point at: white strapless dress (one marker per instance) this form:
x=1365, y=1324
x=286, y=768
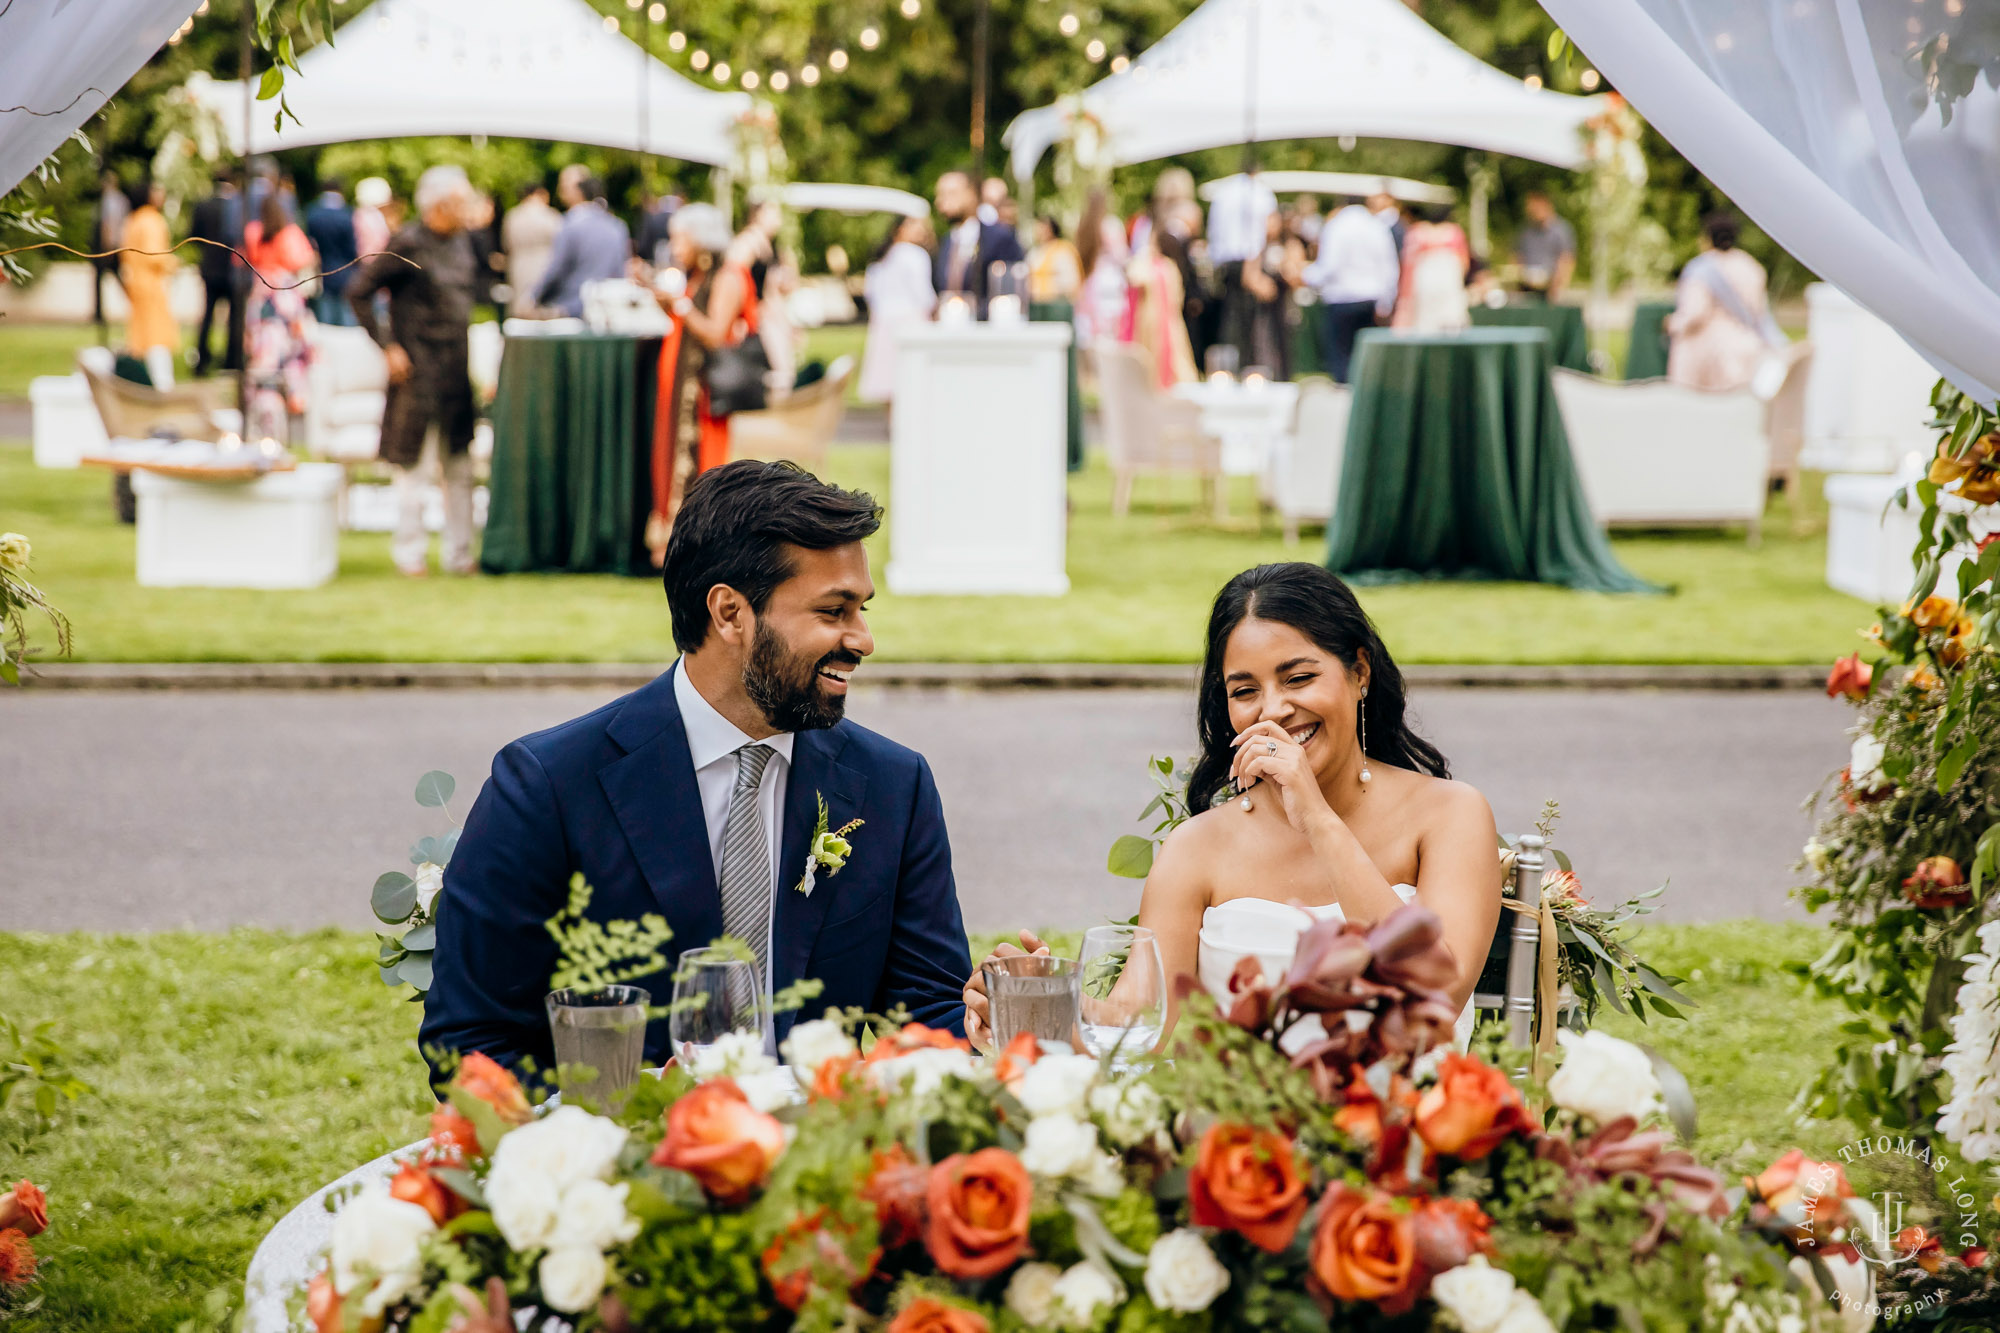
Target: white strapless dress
x=1269, y=932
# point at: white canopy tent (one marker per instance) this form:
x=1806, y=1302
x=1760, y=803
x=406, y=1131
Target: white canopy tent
x=529, y=69
x=59, y=65
x=802, y=195
x=1351, y=183
x=1250, y=71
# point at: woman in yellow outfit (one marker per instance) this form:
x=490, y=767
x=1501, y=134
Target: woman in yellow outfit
x=146, y=274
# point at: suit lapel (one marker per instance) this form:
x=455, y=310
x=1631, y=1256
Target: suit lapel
x=652, y=791
x=815, y=773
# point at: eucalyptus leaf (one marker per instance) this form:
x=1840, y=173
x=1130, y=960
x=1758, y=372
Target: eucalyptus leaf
x=420, y=939
x=1131, y=857
x=394, y=897
x=1674, y=1090
x=1954, y=763
x=435, y=788
x=415, y=970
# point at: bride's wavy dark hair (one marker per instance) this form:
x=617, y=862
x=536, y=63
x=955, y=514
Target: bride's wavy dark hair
x=1321, y=607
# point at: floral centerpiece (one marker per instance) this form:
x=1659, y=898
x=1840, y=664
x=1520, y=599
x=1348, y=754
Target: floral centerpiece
x=1308, y=1158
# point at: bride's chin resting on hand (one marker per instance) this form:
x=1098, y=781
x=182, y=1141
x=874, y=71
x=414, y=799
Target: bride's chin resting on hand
x=1292, y=809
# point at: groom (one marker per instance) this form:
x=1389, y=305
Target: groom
x=697, y=796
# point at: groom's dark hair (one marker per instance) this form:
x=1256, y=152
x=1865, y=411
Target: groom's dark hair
x=734, y=527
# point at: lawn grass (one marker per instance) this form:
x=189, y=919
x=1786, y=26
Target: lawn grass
x=31, y=350
x=1140, y=592
x=236, y=1073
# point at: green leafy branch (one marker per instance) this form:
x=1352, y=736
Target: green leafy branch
x=399, y=899
x=32, y=1066
x=18, y=597
x=1132, y=855
x=591, y=956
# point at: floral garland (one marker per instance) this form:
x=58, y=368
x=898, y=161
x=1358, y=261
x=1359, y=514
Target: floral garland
x=1971, y=1118
x=17, y=598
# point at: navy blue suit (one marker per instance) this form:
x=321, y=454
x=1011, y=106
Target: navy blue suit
x=612, y=794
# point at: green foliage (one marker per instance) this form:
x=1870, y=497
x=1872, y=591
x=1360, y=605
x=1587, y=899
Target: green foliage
x=397, y=899
x=34, y=1071
x=1132, y=855
x=591, y=956
x=19, y=598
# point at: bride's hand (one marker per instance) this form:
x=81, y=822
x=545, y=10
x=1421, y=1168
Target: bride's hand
x=978, y=1020
x=1267, y=755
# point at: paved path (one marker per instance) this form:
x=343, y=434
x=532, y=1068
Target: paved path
x=141, y=811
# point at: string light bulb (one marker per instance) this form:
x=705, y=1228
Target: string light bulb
x=1094, y=52
x=677, y=41
x=809, y=75
x=635, y=4
x=1533, y=81
x=1119, y=64
x=870, y=39
x=201, y=8
x=610, y=23
x=1590, y=78
x=722, y=71
x=780, y=81
x=1068, y=24
x=657, y=14
x=750, y=80
x=699, y=60
x=837, y=61
x=912, y=8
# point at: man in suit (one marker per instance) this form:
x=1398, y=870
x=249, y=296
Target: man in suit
x=969, y=247
x=593, y=243
x=697, y=796
x=330, y=224
x=224, y=279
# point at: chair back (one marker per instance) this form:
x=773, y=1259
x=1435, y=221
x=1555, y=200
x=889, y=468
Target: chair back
x=1303, y=476
x=1130, y=401
x=134, y=411
x=1785, y=414
x=1524, y=941
x=799, y=426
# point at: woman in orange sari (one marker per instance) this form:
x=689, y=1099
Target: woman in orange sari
x=147, y=266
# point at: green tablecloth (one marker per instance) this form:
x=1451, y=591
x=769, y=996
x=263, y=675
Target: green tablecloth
x=1062, y=312
x=1646, y=356
x=1457, y=466
x=1569, y=341
x=572, y=455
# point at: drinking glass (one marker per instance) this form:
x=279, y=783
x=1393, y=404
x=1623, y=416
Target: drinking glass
x=1222, y=360
x=715, y=993
x=603, y=1032
x=1123, y=999
x=1032, y=993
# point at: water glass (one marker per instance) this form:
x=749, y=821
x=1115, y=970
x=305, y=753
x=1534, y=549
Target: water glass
x=600, y=1041
x=1222, y=360
x=1123, y=996
x=716, y=992
x=1032, y=993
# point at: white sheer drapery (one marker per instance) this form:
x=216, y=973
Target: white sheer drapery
x=61, y=61
x=1816, y=118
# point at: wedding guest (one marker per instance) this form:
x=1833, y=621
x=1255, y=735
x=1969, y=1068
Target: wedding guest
x=107, y=230
x=756, y=246
x=969, y=247
x=1721, y=328
x=1306, y=219
x=900, y=296
x=147, y=265
x=224, y=280
x=1266, y=303
x=1102, y=254
x=1200, y=310
x=278, y=340
x=330, y=226
x=1355, y=273
x=1390, y=214
x=1239, y=232
x=528, y=236
x=1436, y=261
x=1154, y=319
x=655, y=213
x=592, y=245
x=371, y=225
x=428, y=275
x=1055, y=272
x=1545, y=249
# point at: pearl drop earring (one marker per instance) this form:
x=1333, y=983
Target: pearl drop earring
x=1366, y=776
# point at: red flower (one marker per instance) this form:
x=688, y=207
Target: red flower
x=454, y=1141
x=915, y=1037
x=715, y=1135
x=1938, y=882
x=493, y=1083
x=807, y=1248
x=898, y=1188
x=934, y=1316
x=1850, y=678
x=1244, y=1179
x=830, y=1079
x=17, y=1259
x=1471, y=1110
x=415, y=1185
x=1976, y=1256
x=1916, y=1243
x=1365, y=1249
x=1450, y=1231
x=979, y=1205
x=323, y=1304
x=1021, y=1052
x=25, y=1208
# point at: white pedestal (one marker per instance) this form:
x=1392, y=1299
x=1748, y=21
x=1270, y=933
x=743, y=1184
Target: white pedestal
x=1868, y=394
x=978, y=460
x=280, y=531
x=1869, y=539
x=66, y=422
x=1249, y=419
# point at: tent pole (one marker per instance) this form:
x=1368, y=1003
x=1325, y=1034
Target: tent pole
x=1250, y=90
x=981, y=22
x=239, y=294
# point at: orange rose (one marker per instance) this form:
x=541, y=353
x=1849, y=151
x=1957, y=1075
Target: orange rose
x=1021, y=1052
x=1916, y=1243
x=323, y=1304
x=494, y=1084
x=1450, y=1231
x=25, y=1208
x=415, y=1185
x=897, y=1187
x=1923, y=678
x=809, y=1247
x=934, y=1316
x=715, y=1135
x=830, y=1079
x=1938, y=882
x=1850, y=678
x=979, y=1213
x=1977, y=471
x=1934, y=612
x=1365, y=1249
x=453, y=1138
x=1958, y=642
x=1471, y=1109
x=915, y=1037
x=1244, y=1179
x=1819, y=1190
x=17, y=1259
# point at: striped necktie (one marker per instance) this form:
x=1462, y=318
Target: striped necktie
x=745, y=875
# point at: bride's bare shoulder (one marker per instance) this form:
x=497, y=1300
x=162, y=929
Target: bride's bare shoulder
x=1198, y=842
x=1449, y=801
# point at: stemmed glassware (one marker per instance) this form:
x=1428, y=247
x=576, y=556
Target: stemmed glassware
x=1123, y=1007
x=716, y=992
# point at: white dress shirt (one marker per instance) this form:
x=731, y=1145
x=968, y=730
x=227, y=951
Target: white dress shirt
x=1356, y=260
x=713, y=741
x=1239, y=215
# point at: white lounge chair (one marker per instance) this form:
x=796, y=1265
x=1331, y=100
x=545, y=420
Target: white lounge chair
x=1301, y=478
x=1147, y=429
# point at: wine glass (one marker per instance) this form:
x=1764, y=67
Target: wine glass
x=716, y=992
x=1124, y=1002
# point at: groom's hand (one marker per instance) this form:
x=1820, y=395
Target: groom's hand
x=978, y=1019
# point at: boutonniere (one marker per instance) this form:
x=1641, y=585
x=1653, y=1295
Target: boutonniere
x=829, y=849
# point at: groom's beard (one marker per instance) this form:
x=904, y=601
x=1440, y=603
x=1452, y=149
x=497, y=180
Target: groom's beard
x=785, y=686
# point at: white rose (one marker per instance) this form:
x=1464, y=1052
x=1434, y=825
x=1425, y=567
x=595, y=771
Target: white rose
x=769, y=1089
x=14, y=552
x=379, y=1239
x=1059, y=1145
x=1524, y=1315
x=1103, y=1177
x=1083, y=1290
x=1031, y=1294
x=572, y=1277
x=737, y=1055
x=1604, y=1078
x=1864, y=763
x=1475, y=1293
x=1182, y=1273
x=567, y=1145
x=813, y=1043
x=1131, y=1110
x=1057, y=1083
x=526, y=1206
x=921, y=1071
x=592, y=1216
x=1853, y=1279
x=430, y=881
x=1818, y=855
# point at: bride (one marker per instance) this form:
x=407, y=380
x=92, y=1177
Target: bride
x=1316, y=801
